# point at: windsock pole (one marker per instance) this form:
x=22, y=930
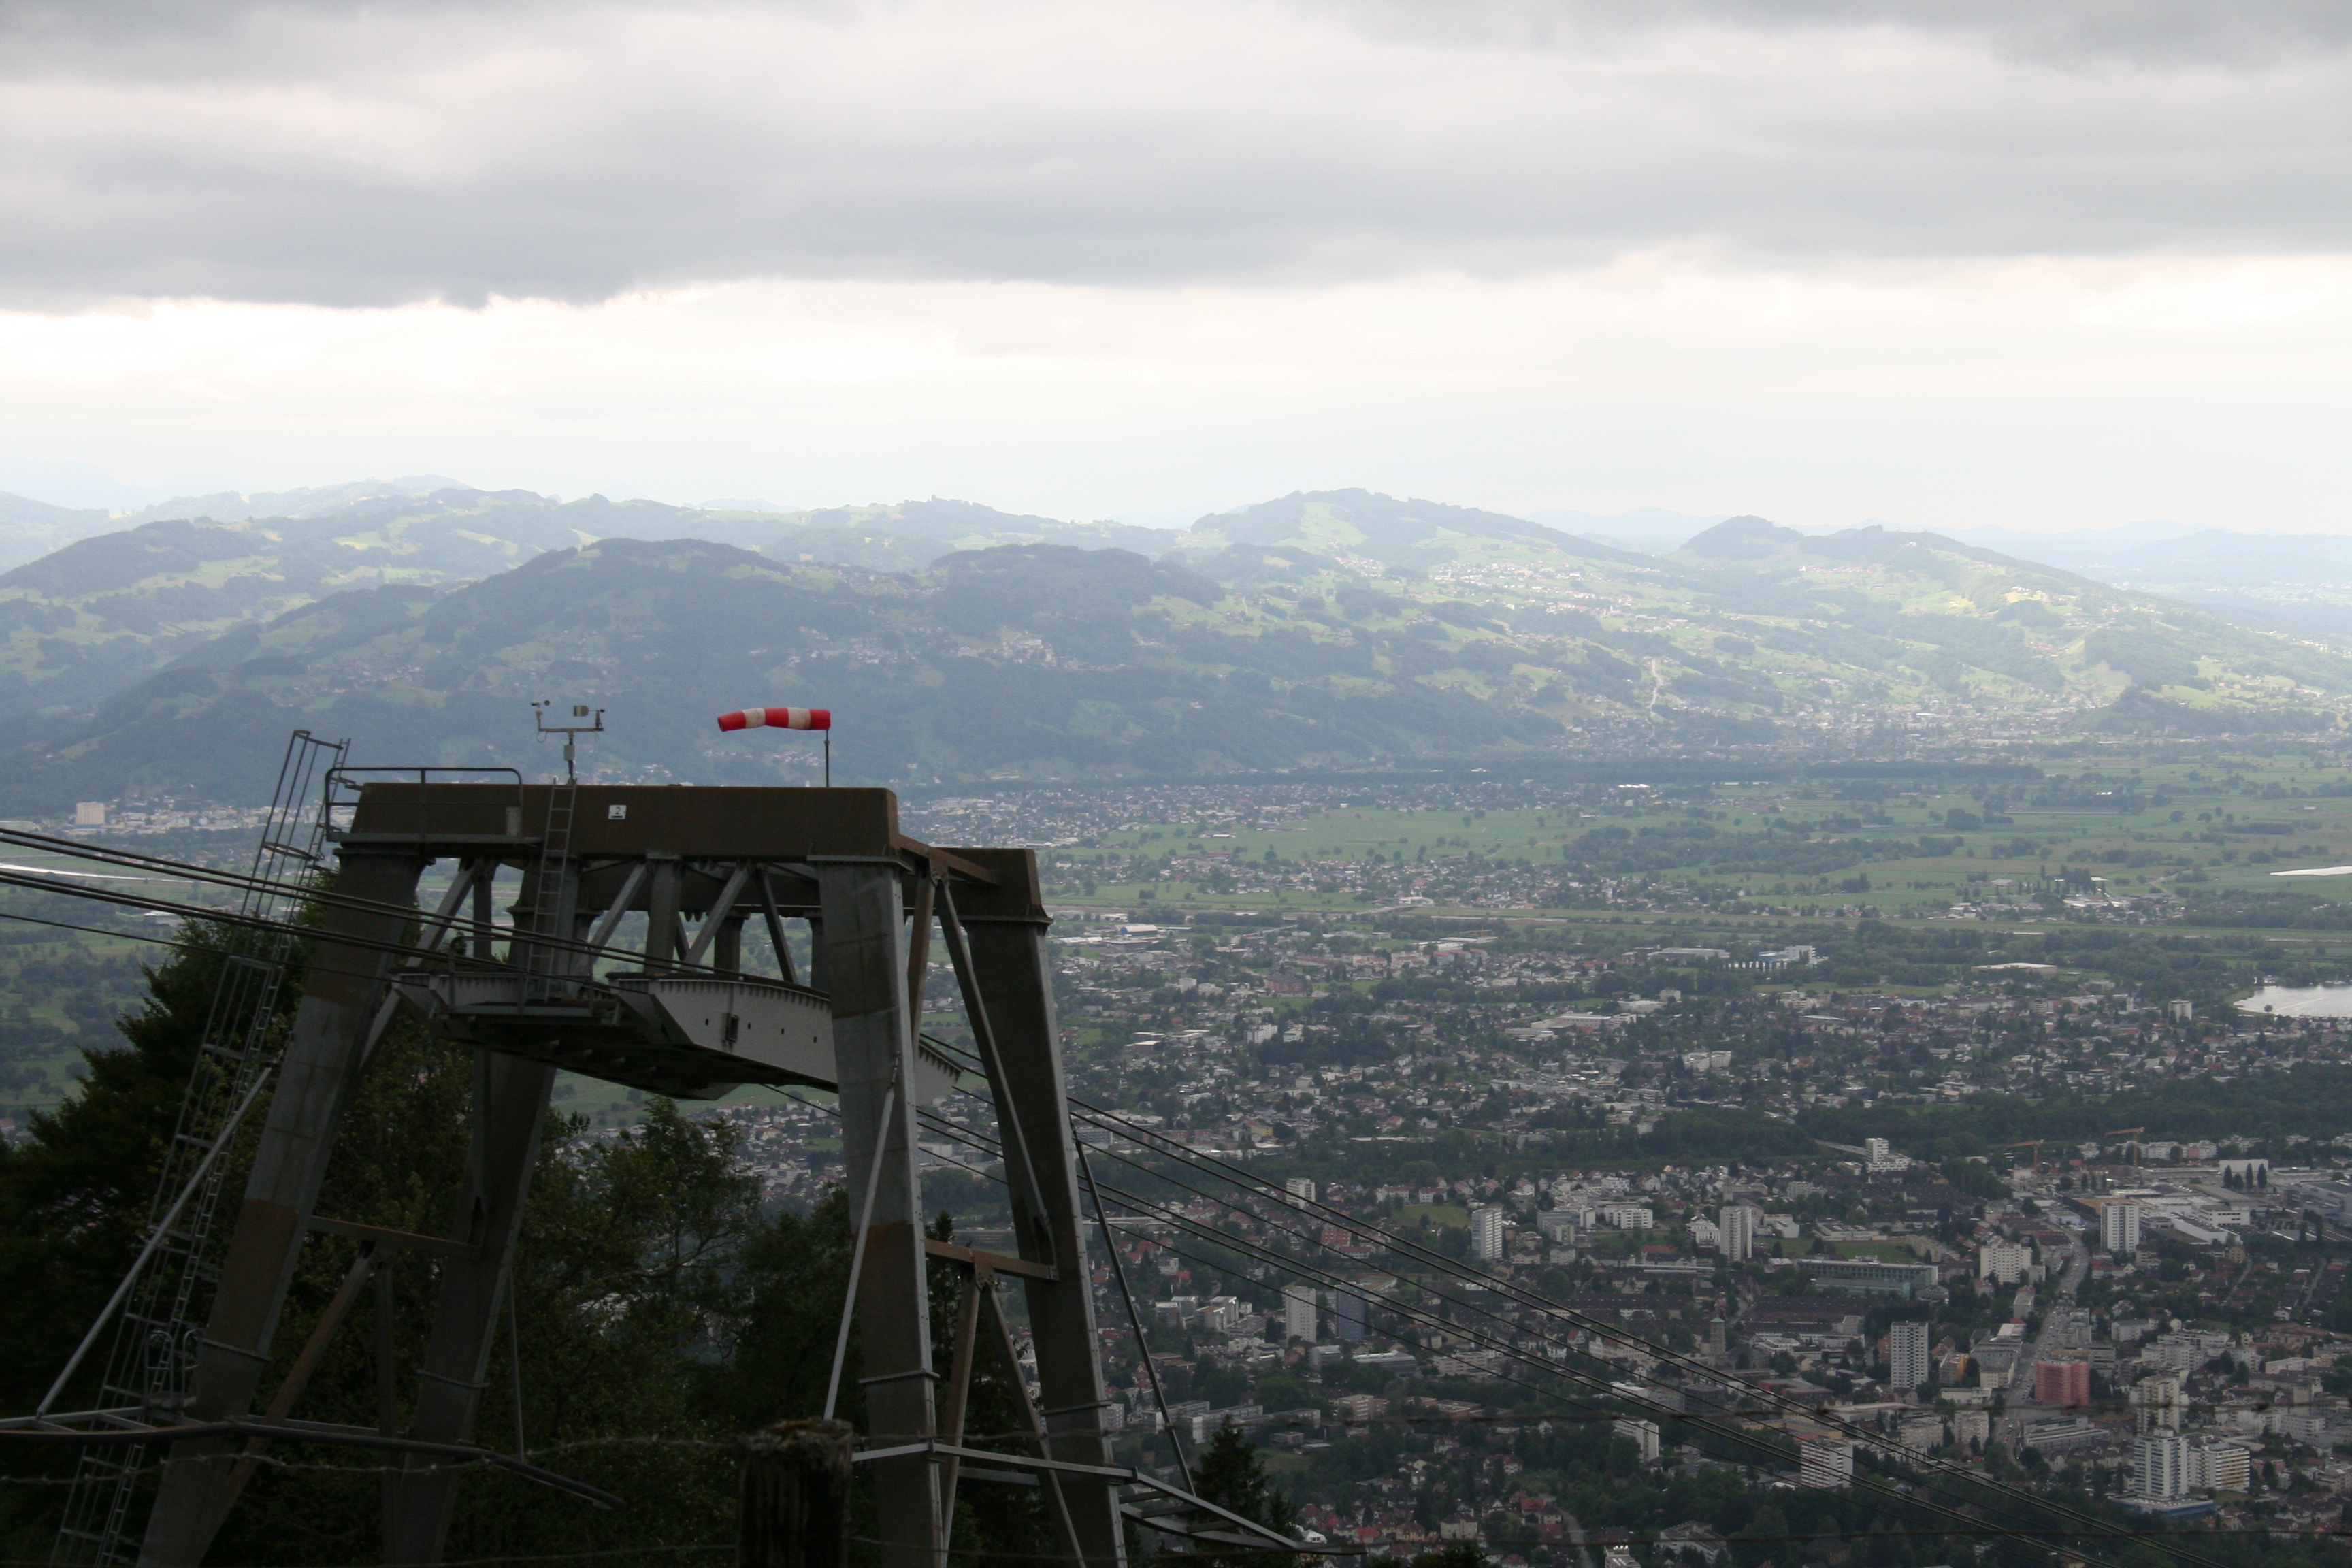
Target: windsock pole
x=817, y=719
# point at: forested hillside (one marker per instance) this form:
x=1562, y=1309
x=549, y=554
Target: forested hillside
x=1335, y=629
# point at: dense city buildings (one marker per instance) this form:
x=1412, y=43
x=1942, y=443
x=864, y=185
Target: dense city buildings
x=1716, y=1187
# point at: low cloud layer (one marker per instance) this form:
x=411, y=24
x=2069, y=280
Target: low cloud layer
x=371, y=155
x=2035, y=394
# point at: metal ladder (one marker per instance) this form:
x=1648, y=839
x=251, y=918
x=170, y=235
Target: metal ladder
x=156, y=1339
x=545, y=976
x=545, y=966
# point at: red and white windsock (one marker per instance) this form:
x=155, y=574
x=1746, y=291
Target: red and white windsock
x=778, y=719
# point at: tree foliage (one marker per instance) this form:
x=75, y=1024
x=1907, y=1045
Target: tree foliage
x=1231, y=1473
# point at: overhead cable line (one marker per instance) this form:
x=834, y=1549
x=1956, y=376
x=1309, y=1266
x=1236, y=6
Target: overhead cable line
x=1975, y=1485
x=1740, y=1437
x=1108, y=1121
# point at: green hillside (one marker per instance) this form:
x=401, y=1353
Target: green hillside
x=915, y=533
x=1036, y=658
x=1995, y=632
x=1337, y=628
x=31, y=529
x=79, y=625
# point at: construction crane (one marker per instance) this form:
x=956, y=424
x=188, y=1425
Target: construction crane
x=2034, y=1144
x=2133, y=1145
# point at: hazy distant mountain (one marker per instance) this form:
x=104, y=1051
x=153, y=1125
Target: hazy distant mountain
x=2076, y=549
x=1408, y=534
x=1324, y=628
x=915, y=533
x=1651, y=530
x=2298, y=583
x=1038, y=660
x=84, y=621
x=2295, y=582
x=744, y=503
x=76, y=486
x=314, y=501
x=31, y=529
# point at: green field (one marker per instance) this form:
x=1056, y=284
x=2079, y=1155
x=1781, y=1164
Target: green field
x=2196, y=832
x=1884, y=1251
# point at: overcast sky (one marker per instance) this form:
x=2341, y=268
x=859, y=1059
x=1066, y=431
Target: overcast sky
x=2048, y=265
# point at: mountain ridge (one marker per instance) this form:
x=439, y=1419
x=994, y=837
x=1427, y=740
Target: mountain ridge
x=1266, y=639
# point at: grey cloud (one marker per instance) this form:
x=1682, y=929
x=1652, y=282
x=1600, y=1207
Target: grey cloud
x=2081, y=33
x=355, y=154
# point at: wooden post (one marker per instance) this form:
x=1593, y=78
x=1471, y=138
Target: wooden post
x=797, y=1496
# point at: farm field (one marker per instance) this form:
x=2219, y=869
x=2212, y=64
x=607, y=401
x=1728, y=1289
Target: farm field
x=2129, y=830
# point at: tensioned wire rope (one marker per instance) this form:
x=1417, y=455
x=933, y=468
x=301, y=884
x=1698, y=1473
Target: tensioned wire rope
x=307, y=893
x=1148, y=1139
x=45, y=883
x=1213, y=1237
x=1974, y=1526
x=1152, y=1209
x=209, y=914
x=184, y=943
x=1147, y=1206
x=1110, y=1122
x=450, y=924
x=1397, y=1554
x=1977, y=1485
x=1607, y=1332
x=1738, y=1437
x=314, y=894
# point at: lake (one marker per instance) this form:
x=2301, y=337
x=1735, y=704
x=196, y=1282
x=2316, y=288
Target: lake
x=2301, y=1001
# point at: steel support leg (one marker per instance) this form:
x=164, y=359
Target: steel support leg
x=510, y=1109
x=662, y=895
x=319, y=1071
x=864, y=962
x=1005, y=927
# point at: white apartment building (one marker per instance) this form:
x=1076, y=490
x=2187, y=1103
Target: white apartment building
x=1736, y=1233
x=1486, y=1235
x=1299, y=1312
x=2156, y=1402
x=1644, y=1435
x=1824, y=1462
x=1907, y=1355
x=2159, y=1466
x=2119, y=1229
x=2216, y=1465
x=2004, y=1262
